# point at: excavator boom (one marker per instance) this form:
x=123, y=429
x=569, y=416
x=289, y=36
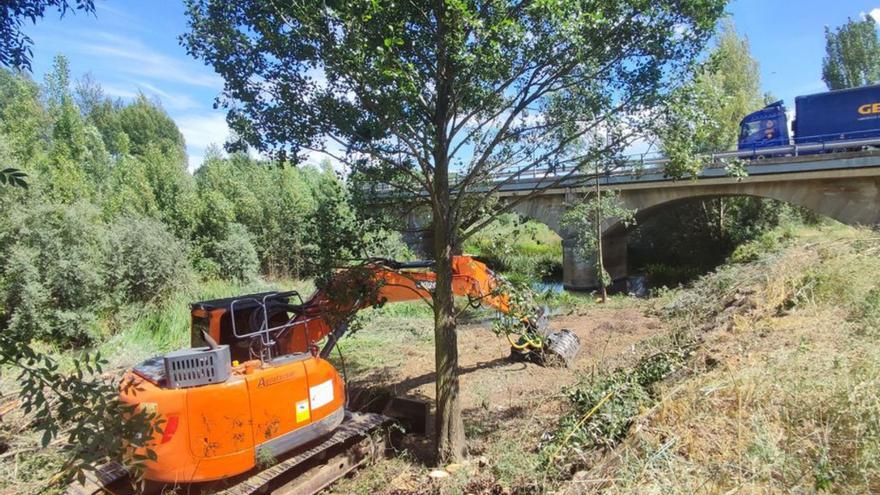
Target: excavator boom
x=327, y=313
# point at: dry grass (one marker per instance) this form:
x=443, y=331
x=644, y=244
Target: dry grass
x=783, y=395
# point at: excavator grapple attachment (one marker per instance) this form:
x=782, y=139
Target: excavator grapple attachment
x=557, y=348
x=563, y=345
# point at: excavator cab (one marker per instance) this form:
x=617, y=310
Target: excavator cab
x=252, y=325
x=237, y=394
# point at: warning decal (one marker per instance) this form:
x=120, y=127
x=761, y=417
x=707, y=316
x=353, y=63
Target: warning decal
x=322, y=394
x=302, y=411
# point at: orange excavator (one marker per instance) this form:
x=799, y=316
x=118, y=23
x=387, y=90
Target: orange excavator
x=257, y=384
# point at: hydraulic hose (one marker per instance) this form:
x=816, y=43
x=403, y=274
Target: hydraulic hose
x=529, y=343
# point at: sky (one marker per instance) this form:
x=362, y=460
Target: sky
x=132, y=46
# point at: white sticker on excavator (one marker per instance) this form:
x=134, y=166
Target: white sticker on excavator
x=321, y=395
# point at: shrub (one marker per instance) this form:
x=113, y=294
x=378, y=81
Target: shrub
x=145, y=260
x=236, y=256
x=53, y=278
x=868, y=314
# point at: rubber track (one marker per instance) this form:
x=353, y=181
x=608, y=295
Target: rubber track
x=354, y=425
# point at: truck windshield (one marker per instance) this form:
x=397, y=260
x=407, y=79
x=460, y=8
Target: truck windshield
x=750, y=129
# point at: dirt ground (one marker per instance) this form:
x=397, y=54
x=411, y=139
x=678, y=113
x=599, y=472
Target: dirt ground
x=507, y=405
x=608, y=338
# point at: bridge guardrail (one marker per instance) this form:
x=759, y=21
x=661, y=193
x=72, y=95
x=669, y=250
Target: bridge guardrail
x=653, y=164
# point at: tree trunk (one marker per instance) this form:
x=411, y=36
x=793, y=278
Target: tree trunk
x=448, y=424
x=600, y=263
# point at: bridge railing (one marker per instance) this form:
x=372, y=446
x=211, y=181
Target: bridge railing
x=654, y=162
x=640, y=163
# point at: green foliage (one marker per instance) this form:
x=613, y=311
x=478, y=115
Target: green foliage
x=868, y=313
x=54, y=277
x=675, y=243
x=145, y=261
x=81, y=407
x=13, y=178
x=704, y=115
x=852, y=55
x=15, y=45
x=767, y=242
x=265, y=459
x=581, y=217
x=517, y=247
x=276, y=205
x=147, y=125
x=586, y=218
x=235, y=255
x=23, y=118
x=625, y=393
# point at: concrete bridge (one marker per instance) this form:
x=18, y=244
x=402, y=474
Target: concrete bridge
x=843, y=186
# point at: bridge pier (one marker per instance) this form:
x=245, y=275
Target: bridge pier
x=580, y=274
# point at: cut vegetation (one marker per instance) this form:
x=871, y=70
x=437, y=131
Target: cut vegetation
x=760, y=377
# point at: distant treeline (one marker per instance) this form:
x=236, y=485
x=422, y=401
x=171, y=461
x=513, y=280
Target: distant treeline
x=113, y=217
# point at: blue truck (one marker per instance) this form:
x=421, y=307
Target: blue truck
x=842, y=115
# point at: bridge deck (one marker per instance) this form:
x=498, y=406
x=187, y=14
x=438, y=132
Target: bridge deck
x=829, y=162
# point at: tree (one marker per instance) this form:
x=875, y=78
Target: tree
x=15, y=46
x=705, y=115
x=586, y=219
x=147, y=125
x=435, y=97
x=852, y=55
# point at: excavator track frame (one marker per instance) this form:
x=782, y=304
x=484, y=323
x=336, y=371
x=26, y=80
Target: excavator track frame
x=359, y=440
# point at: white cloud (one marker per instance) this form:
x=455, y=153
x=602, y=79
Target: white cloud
x=104, y=8
x=170, y=100
x=135, y=58
x=118, y=92
x=875, y=14
x=201, y=131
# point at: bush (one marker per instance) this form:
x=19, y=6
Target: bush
x=53, y=279
x=236, y=256
x=517, y=247
x=145, y=260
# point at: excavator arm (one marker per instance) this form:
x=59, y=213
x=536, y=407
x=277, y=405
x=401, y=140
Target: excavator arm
x=325, y=316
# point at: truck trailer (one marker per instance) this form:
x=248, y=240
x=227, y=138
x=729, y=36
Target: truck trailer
x=842, y=115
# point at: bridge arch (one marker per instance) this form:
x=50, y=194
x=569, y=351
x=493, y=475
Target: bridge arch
x=851, y=200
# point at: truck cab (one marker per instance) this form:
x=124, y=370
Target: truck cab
x=765, y=128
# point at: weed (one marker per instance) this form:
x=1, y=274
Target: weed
x=265, y=459
x=790, y=406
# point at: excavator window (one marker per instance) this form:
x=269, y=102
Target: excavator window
x=199, y=324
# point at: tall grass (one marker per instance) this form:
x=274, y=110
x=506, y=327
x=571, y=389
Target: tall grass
x=157, y=328
x=782, y=396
